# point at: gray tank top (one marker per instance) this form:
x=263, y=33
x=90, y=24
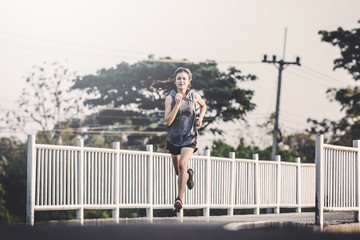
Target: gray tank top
x=182, y=130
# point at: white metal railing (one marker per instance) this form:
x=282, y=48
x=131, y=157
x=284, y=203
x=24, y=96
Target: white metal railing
x=337, y=178
x=78, y=178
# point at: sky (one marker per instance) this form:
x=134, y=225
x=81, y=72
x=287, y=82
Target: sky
x=89, y=35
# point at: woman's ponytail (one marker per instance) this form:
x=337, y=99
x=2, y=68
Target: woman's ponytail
x=164, y=86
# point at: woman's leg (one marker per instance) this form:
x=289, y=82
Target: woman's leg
x=175, y=160
x=183, y=176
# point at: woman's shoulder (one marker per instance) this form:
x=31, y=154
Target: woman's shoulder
x=172, y=93
x=168, y=98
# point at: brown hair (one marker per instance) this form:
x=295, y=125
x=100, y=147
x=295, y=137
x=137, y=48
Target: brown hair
x=182, y=69
x=168, y=85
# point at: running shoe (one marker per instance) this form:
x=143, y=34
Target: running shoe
x=190, y=181
x=177, y=205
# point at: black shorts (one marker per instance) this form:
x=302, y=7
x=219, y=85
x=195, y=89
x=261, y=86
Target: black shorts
x=174, y=150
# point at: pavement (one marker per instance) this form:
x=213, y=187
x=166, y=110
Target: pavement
x=265, y=226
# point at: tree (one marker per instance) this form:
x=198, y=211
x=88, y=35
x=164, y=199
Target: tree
x=46, y=101
x=12, y=180
x=348, y=128
x=222, y=149
x=348, y=42
x=4, y=212
x=126, y=90
x=291, y=145
x=302, y=144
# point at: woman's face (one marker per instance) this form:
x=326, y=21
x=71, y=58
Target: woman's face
x=182, y=80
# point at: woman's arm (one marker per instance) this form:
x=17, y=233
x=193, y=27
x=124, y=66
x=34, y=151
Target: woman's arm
x=202, y=104
x=170, y=114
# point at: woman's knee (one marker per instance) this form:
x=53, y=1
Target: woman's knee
x=182, y=167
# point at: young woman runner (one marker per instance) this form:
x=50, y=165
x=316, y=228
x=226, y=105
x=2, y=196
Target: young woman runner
x=181, y=121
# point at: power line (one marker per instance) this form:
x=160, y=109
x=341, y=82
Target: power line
x=140, y=109
x=107, y=54
x=100, y=116
x=285, y=119
x=70, y=43
x=323, y=74
x=293, y=115
x=307, y=79
x=97, y=54
x=62, y=50
x=77, y=132
x=238, y=62
x=292, y=126
x=294, y=121
x=320, y=77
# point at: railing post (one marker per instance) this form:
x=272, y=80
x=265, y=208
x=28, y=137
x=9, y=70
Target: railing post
x=298, y=184
x=278, y=183
x=31, y=166
x=149, y=211
x=356, y=144
x=319, y=197
x=80, y=212
x=206, y=211
x=116, y=211
x=256, y=184
x=230, y=210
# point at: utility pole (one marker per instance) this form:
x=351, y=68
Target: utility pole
x=281, y=64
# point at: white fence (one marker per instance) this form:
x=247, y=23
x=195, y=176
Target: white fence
x=78, y=178
x=337, y=179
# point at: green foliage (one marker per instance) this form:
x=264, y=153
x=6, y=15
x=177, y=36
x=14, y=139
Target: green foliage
x=96, y=214
x=45, y=216
x=348, y=41
x=159, y=143
x=342, y=132
x=243, y=211
x=12, y=180
x=349, y=99
x=301, y=145
x=4, y=213
x=132, y=213
x=222, y=149
x=218, y=212
x=345, y=130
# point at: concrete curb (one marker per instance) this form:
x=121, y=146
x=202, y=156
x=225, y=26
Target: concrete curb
x=271, y=224
x=343, y=228
x=333, y=228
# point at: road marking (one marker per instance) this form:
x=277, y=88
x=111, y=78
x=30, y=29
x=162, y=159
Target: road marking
x=245, y=225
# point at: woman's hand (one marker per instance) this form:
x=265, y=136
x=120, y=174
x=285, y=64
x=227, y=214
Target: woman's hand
x=178, y=99
x=198, y=122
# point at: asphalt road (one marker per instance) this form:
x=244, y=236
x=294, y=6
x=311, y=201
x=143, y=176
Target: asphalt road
x=158, y=231
x=189, y=228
